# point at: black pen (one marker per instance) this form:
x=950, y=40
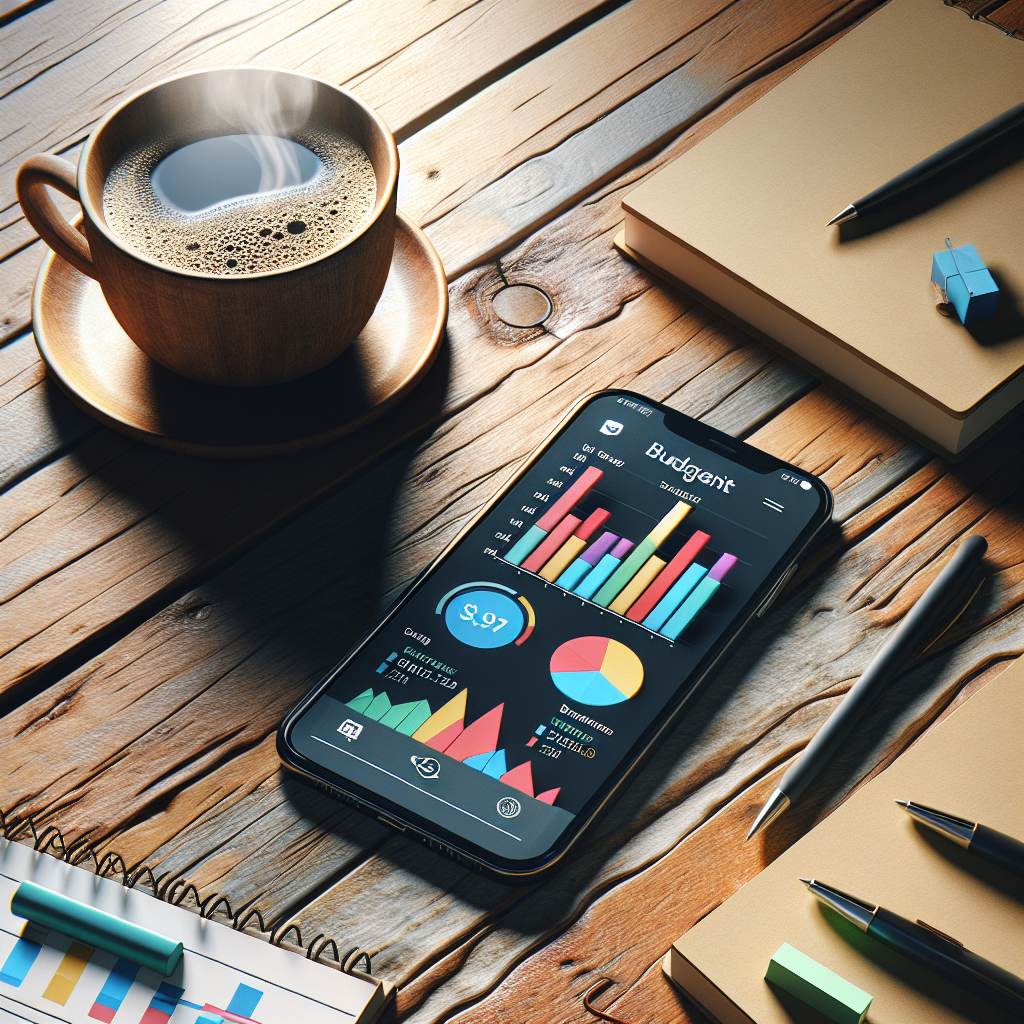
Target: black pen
x=939, y=161
x=929, y=947
x=974, y=837
x=903, y=641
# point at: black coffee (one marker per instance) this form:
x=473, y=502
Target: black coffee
x=240, y=204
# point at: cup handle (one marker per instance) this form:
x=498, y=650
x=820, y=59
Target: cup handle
x=42, y=213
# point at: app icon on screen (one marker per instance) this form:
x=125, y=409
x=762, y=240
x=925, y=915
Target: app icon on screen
x=611, y=427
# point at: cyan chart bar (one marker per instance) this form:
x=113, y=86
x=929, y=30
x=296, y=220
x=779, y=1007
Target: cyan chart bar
x=244, y=1001
x=19, y=961
x=239, y=1010
x=675, y=596
x=162, y=1005
x=702, y=593
x=604, y=568
x=115, y=988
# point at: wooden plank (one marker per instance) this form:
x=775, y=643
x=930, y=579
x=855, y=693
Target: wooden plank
x=82, y=587
x=232, y=660
x=36, y=420
x=805, y=655
x=500, y=207
x=406, y=59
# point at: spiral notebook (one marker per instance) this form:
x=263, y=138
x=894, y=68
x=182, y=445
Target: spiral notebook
x=226, y=975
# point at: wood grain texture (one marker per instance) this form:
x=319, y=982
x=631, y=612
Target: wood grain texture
x=231, y=592
x=109, y=563
x=406, y=59
x=803, y=657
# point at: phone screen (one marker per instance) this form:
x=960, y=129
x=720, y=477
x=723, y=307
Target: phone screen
x=519, y=676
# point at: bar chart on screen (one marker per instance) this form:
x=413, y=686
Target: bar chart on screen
x=660, y=579
x=224, y=977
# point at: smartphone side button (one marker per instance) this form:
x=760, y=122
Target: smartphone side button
x=776, y=590
x=391, y=821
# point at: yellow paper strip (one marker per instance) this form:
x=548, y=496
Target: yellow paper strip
x=63, y=983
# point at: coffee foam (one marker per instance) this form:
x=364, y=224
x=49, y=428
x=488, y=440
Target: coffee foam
x=254, y=234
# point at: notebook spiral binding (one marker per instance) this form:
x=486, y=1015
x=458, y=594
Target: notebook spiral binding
x=51, y=840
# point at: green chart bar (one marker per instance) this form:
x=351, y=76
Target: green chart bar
x=632, y=565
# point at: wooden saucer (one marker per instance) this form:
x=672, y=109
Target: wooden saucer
x=100, y=369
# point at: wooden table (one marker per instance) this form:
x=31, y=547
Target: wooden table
x=161, y=613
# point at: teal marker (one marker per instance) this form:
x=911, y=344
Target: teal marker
x=96, y=927
x=703, y=593
x=674, y=598
x=608, y=564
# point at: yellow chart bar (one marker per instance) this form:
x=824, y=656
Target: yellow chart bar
x=559, y=561
x=660, y=533
x=452, y=712
x=63, y=983
x=637, y=585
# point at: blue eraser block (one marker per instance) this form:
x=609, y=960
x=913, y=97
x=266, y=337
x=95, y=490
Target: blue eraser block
x=967, y=283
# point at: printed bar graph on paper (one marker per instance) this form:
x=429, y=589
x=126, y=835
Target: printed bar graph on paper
x=630, y=566
x=162, y=1005
x=20, y=959
x=557, y=563
x=547, y=522
x=680, y=562
x=115, y=988
x=702, y=593
x=238, y=1011
x=63, y=982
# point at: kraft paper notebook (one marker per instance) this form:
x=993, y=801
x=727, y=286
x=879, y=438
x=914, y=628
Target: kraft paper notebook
x=970, y=765
x=224, y=977
x=740, y=220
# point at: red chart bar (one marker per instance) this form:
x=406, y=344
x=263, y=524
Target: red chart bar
x=570, y=499
x=659, y=586
x=551, y=543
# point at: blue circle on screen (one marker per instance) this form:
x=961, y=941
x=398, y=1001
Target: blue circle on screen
x=484, y=618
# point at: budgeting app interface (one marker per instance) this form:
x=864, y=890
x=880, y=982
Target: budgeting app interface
x=504, y=692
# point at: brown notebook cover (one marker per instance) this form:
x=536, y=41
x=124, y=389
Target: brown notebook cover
x=969, y=765
x=741, y=218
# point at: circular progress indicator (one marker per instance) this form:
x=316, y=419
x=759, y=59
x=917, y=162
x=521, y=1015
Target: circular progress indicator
x=596, y=670
x=486, y=615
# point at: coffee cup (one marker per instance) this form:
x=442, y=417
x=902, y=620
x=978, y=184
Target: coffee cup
x=249, y=325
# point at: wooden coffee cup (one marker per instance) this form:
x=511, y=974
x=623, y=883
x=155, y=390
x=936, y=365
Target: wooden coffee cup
x=247, y=329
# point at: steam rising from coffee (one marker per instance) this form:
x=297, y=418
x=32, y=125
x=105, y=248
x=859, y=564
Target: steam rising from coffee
x=270, y=189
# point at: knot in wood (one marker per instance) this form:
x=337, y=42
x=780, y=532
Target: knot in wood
x=521, y=305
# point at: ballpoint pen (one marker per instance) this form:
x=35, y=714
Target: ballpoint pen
x=905, y=639
x=929, y=947
x=963, y=147
x=974, y=837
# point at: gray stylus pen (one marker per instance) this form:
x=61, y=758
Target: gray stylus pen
x=905, y=640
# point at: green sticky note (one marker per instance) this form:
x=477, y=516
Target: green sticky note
x=800, y=976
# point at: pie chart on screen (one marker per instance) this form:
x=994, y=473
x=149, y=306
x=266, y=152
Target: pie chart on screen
x=596, y=670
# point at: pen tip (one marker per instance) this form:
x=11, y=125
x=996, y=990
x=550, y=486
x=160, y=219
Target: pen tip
x=843, y=216
x=903, y=803
x=775, y=805
x=807, y=881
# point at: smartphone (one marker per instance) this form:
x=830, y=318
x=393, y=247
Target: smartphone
x=502, y=702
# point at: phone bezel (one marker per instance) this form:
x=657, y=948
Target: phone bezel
x=458, y=846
